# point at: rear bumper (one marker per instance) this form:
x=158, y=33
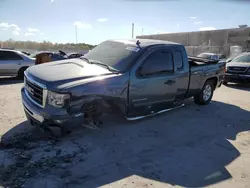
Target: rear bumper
x=236, y=78
x=49, y=115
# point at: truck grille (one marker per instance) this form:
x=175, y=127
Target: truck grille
x=237, y=69
x=34, y=92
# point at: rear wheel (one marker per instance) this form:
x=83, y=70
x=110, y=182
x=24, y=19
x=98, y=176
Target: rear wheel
x=206, y=94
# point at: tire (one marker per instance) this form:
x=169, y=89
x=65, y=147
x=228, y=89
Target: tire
x=225, y=83
x=21, y=72
x=206, y=94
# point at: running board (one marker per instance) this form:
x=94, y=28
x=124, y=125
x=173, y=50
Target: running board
x=162, y=111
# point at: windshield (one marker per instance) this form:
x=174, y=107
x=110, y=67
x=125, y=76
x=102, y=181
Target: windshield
x=34, y=55
x=116, y=55
x=205, y=56
x=242, y=59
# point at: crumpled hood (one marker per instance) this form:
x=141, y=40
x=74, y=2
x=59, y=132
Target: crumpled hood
x=60, y=72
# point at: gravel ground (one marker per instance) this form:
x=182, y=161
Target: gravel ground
x=193, y=146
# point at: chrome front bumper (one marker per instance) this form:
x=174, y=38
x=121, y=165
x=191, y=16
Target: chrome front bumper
x=48, y=114
x=32, y=113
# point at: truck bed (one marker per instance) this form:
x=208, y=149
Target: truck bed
x=200, y=70
x=196, y=61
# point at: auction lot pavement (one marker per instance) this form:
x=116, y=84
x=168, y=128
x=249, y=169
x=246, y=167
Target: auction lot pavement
x=193, y=146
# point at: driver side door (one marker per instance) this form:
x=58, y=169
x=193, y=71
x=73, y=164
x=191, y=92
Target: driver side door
x=152, y=85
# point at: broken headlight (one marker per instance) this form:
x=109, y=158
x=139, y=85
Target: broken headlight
x=58, y=100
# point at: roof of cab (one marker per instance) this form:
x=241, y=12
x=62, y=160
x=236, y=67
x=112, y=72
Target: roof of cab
x=146, y=42
x=10, y=50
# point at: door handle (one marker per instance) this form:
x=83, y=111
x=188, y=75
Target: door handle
x=169, y=82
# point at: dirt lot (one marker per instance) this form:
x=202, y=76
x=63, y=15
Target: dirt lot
x=193, y=146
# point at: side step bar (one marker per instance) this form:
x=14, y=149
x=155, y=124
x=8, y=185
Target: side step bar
x=162, y=111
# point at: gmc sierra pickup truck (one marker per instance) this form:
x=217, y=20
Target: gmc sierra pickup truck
x=137, y=78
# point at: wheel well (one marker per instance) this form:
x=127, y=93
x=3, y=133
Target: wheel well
x=214, y=80
x=22, y=68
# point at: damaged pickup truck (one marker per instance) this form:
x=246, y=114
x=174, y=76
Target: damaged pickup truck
x=136, y=78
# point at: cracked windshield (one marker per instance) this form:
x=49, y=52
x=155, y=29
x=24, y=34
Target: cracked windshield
x=124, y=93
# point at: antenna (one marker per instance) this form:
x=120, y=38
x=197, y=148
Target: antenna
x=76, y=32
x=133, y=30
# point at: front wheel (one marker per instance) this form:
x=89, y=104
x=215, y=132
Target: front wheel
x=206, y=94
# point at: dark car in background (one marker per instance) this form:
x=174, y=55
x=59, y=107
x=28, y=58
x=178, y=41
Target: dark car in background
x=26, y=53
x=238, y=69
x=74, y=55
x=53, y=55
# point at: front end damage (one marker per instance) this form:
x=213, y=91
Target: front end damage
x=94, y=107
x=85, y=108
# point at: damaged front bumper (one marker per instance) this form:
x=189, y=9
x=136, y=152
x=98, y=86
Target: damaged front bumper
x=48, y=115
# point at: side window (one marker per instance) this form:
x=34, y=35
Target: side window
x=158, y=62
x=56, y=57
x=7, y=55
x=73, y=56
x=214, y=57
x=2, y=55
x=178, y=59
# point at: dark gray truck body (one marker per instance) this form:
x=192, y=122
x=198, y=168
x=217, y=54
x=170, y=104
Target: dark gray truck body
x=126, y=89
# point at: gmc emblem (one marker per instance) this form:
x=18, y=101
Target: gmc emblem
x=30, y=90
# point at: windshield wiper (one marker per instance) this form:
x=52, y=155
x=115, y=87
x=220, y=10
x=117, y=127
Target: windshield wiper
x=104, y=65
x=86, y=59
x=91, y=61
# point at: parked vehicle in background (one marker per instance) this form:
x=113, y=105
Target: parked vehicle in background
x=222, y=57
x=14, y=63
x=238, y=69
x=42, y=58
x=229, y=59
x=137, y=78
x=213, y=56
x=26, y=53
x=74, y=55
x=53, y=55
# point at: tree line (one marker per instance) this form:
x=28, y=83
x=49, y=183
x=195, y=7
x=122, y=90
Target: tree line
x=45, y=45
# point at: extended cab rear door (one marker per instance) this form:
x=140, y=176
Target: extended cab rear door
x=181, y=71
x=152, y=82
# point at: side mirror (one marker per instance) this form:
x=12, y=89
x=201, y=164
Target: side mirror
x=229, y=60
